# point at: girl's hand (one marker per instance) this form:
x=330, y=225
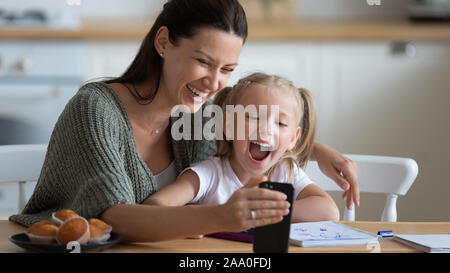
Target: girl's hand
x=341, y=169
x=268, y=207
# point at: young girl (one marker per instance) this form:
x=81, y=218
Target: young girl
x=278, y=148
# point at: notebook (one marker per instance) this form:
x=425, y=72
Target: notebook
x=431, y=243
x=328, y=233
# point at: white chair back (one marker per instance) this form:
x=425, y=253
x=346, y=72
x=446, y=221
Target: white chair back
x=392, y=176
x=21, y=164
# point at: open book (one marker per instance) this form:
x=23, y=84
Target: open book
x=328, y=233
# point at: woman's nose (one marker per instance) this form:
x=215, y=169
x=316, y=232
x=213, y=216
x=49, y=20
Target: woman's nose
x=212, y=81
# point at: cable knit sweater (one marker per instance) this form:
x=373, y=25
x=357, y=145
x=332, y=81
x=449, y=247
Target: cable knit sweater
x=92, y=162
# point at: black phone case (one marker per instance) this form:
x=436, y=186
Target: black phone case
x=275, y=237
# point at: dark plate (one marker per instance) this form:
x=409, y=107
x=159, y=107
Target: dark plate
x=22, y=240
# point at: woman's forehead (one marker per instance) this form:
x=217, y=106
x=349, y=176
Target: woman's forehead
x=214, y=43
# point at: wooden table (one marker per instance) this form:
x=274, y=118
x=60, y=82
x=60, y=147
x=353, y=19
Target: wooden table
x=224, y=246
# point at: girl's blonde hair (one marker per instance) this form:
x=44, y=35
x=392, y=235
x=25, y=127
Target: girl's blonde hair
x=306, y=117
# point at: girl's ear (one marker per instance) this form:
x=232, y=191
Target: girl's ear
x=162, y=40
x=295, y=137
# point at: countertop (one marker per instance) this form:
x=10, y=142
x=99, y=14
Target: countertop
x=290, y=30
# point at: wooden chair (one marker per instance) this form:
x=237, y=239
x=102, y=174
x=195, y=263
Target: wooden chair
x=392, y=176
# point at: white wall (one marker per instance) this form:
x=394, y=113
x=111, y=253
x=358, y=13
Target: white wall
x=376, y=102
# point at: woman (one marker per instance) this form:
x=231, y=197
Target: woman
x=112, y=148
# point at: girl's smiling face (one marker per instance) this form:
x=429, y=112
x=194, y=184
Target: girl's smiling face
x=196, y=68
x=266, y=139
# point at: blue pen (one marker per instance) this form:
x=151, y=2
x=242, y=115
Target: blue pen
x=385, y=233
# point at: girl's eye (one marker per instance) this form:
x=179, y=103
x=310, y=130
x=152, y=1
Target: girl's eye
x=282, y=124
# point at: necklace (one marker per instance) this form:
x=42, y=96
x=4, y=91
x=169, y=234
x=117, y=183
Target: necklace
x=153, y=132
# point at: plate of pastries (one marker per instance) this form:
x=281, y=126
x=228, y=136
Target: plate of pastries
x=65, y=232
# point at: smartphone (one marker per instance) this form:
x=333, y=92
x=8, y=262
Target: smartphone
x=275, y=237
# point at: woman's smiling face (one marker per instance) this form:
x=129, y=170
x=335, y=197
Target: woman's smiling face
x=197, y=68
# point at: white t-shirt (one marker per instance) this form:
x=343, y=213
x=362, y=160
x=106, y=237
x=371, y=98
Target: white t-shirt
x=217, y=184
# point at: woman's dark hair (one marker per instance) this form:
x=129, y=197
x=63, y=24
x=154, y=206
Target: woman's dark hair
x=182, y=18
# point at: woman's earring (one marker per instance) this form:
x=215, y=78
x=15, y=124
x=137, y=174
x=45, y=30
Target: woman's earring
x=161, y=54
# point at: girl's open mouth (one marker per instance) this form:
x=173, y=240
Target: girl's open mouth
x=259, y=151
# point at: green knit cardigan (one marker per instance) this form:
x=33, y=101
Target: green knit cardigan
x=92, y=162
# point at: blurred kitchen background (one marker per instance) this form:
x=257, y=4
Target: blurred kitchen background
x=379, y=71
